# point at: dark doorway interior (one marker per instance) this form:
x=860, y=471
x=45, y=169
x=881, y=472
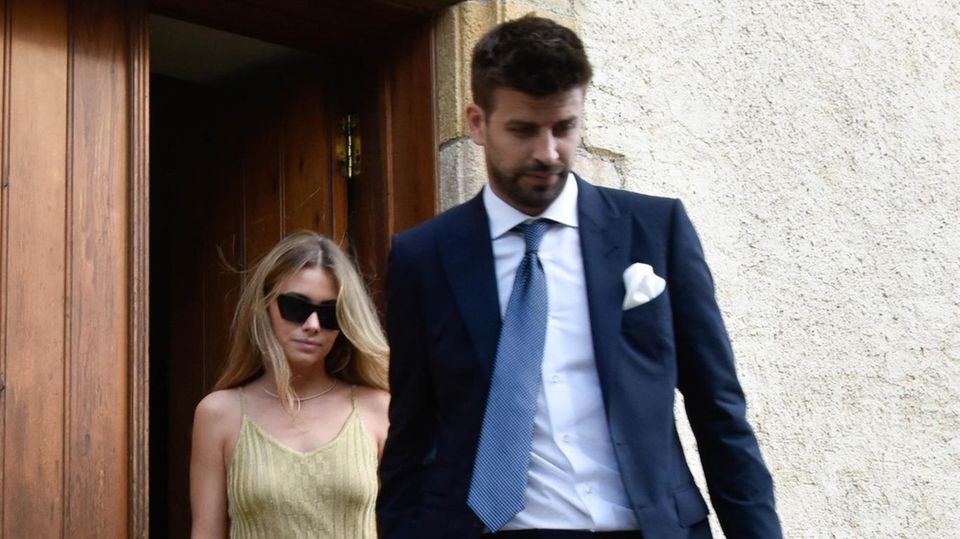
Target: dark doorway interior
x=239, y=158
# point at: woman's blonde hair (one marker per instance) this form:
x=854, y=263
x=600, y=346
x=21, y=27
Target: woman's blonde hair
x=358, y=356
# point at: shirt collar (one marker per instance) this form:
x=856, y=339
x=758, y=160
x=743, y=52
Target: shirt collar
x=504, y=217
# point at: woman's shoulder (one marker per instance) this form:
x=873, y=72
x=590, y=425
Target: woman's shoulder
x=219, y=406
x=373, y=399
x=373, y=405
x=218, y=419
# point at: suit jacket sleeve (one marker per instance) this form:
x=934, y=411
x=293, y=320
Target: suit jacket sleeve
x=739, y=484
x=412, y=416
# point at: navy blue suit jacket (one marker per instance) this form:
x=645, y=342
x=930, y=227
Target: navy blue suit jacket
x=443, y=321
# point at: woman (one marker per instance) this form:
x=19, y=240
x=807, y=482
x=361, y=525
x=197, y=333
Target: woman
x=287, y=444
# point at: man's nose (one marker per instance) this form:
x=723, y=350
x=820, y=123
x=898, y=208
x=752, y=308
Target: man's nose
x=545, y=150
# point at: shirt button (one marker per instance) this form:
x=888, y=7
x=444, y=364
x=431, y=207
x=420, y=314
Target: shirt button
x=565, y=437
x=555, y=378
x=588, y=489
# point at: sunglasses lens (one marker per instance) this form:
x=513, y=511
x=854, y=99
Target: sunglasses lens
x=327, y=315
x=294, y=309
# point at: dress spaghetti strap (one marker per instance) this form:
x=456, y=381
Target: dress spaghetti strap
x=243, y=401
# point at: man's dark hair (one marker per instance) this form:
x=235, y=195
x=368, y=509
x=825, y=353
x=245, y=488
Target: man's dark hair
x=531, y=54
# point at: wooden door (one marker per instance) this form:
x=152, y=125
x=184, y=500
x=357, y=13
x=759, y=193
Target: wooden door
x=103, y=255
x=64, y=273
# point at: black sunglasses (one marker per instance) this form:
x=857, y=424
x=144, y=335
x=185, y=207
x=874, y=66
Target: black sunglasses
x=298, y=310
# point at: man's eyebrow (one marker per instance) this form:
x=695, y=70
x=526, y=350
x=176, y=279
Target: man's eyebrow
x=523, y=123
x=520, y=123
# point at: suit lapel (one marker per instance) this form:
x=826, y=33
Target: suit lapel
x=605, y=236
x=467, y=256
x=605, y=239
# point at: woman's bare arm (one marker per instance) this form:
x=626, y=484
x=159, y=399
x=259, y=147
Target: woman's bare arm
x=208, y=465
x=373, y=412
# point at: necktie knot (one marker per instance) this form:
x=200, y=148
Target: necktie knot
x=533, y=232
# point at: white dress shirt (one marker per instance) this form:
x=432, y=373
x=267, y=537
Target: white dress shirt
x=574, y=481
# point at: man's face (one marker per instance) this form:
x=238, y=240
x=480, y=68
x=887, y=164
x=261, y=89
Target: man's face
x=529, y=143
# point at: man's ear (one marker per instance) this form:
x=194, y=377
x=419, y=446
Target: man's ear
x=477, y=123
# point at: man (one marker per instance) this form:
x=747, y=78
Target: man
x=539, y=330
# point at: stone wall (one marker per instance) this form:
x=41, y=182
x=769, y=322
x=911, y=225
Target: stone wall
x=817, y=149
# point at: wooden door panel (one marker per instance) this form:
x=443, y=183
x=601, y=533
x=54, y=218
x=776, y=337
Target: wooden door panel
x=34, y=286
x=65, y=276
x=262, y=181
x=309, y=168
x=98, y=310
x=398, y=188
x=4, y=176
x=414, y=193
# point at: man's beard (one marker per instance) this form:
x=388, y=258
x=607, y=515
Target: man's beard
x=537, y=198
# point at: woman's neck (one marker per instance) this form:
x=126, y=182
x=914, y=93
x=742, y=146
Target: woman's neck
x=303, y=384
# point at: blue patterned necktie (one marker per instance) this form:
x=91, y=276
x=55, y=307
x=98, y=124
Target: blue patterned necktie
x=503, y=452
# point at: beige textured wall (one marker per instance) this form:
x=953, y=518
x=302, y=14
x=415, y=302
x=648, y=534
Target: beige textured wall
x=817, y=148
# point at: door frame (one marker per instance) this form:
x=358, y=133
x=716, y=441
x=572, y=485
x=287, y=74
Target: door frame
x=400, y=158
x=138, y=519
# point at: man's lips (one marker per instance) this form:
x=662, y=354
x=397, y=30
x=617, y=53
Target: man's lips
x=540, y=175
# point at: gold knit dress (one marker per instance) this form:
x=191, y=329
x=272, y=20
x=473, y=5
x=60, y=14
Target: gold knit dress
x=274, y=491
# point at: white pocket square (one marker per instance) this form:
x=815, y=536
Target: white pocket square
x=642, y=285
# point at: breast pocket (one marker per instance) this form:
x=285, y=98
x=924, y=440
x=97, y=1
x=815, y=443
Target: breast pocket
x=648, y=328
